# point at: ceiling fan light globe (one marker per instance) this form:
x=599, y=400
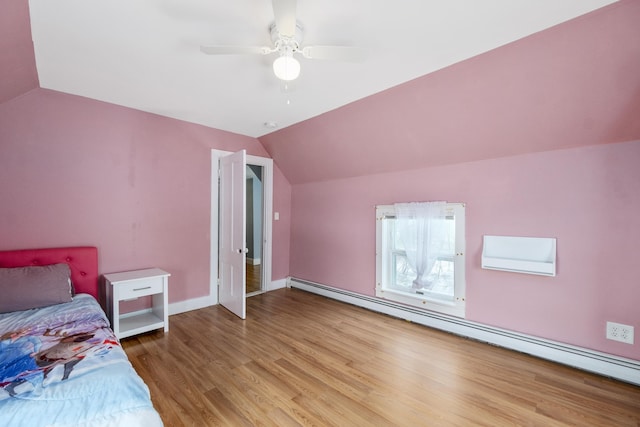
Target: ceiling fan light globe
x=286, y=68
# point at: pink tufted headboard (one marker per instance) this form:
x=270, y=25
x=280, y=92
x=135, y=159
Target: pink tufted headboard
x=83, y=261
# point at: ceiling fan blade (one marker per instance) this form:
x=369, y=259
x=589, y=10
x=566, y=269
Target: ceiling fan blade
x=337, y=53
x=285, y=16
x=234, y=50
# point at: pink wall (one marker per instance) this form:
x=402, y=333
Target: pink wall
x=75, y=171
x=18, y=72
x=587, y=198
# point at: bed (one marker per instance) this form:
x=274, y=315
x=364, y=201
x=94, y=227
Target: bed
x=60, y=363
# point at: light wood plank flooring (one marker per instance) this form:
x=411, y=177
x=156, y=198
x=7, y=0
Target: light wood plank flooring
x=253, y=278
x=305, y=360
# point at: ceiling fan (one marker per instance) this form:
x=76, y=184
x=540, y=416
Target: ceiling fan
x=286, y=35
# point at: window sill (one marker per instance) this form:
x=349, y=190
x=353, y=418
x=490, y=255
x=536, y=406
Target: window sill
x=453, y=308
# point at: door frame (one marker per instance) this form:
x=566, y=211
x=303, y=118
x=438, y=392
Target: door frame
x=267, y=212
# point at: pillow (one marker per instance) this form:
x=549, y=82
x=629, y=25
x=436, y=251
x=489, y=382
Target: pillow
x=22, y=288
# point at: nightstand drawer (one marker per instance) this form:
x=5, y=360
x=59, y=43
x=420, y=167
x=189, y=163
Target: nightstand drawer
x=140, y=288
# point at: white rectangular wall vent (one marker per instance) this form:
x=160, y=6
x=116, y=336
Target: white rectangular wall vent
x=530, y=255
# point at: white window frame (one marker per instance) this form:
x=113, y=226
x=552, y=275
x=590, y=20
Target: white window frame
x=384, y=258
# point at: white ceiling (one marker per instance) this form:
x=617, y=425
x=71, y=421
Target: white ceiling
x=144, y=54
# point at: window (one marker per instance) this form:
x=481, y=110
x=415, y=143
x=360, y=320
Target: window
x=420, y=255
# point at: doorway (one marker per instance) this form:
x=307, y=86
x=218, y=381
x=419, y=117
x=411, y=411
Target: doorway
x=263, y=167
x=255, y=218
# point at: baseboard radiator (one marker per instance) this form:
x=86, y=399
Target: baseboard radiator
x=620, y=368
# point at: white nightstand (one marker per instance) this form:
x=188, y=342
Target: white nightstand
x=131, y=285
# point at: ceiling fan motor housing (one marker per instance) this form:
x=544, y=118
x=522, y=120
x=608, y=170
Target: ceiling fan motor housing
x=285, y=44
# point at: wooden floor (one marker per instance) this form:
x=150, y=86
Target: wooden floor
x=305, y=360
x=253, y=278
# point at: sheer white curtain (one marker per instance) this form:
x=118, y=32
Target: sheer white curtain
x=421, y=229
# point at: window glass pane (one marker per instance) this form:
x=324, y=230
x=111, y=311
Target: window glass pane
x=403, y=273
x=441, y=275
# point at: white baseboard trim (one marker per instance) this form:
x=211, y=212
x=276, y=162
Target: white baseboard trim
x=254, y=261
x=277, y=284
x=202, y=302
x=191, y=304
x=620, y=368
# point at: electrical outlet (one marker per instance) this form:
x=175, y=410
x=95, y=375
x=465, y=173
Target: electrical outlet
x=620, y=332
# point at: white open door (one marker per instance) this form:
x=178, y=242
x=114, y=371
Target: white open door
x=232, y=250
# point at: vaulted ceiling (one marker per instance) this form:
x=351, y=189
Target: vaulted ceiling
x=445, y=81
x=576, y=84
x=144, y=54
